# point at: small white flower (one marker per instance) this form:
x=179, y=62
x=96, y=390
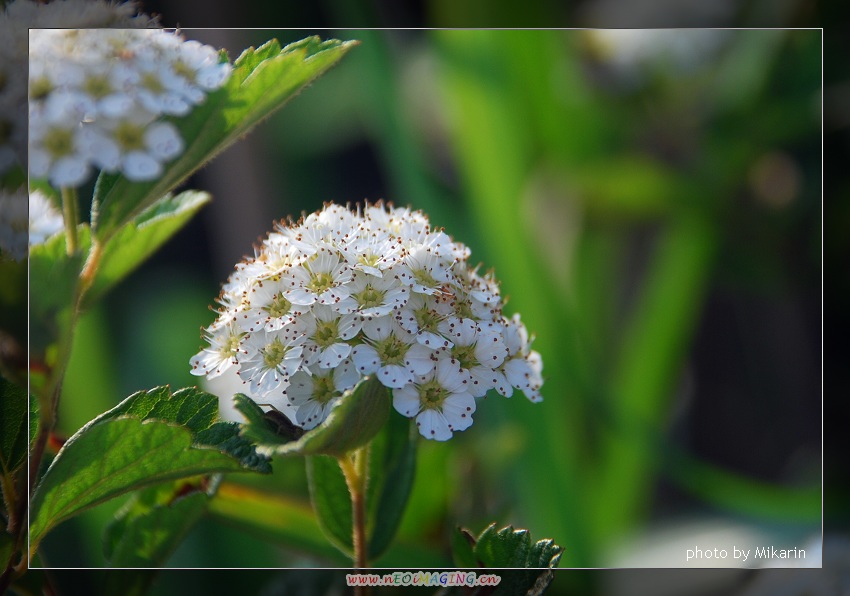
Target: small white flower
x=314, y=395
x=377, y=296
x=323, y=279
x=440, y=401
x=385, y=352
x=221, y=354
x=478, y=352
x=373, y=253
x=422, y=317
x=268, y=307
x=425, y=270
x=267, y=359
x=327, y=335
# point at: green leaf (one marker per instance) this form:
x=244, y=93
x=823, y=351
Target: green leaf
x=154, y=521
x=463, y=545
x=262, y=81
x=510, y=548
x=358, y=416
x=331, y=501
x=392, y=467
x=151, y=437
x=149, y=527
x=53, y=285
x=13, y=426
x=137, y=240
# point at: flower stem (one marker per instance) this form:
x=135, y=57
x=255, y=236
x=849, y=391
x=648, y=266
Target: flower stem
x=70, y=211
x=90, y=267
x=355, y=470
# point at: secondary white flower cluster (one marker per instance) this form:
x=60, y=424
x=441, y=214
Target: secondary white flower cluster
x=97, y=98
x=340, y=295
x=16, y=20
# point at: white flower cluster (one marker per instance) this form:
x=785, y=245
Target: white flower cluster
x=341, y=295
x=97, y=98
x=16, y=20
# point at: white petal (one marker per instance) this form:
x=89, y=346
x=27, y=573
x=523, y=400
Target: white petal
x=116, y=105
x=533, y=395
x=309, y=415
x=139, y=166
x=345, y=376
x=458, y=409
x=432, y=340
x=349, y=326
x=300, y=296
x=420, y=359
x=173, y=104
x=331, y=356
x=518, y=371
x=394, y=376
x=365, y=358
x=163, y=140
x=378, y=329
x=501, y=384
x=102, y=150
x=39, y=163
x=69, y=171
x=252, y=320
x=432, y=425
x=490, y=350
x=450, y=375
x=213, y=77
x=406, y=401
x=300, y=388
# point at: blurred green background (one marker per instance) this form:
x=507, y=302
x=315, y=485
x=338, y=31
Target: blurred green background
x=651, y=202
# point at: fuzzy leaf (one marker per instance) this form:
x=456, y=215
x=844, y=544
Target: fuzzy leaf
x=510, y=548
x=262, y=81
x=154, y=521
x=151, y=437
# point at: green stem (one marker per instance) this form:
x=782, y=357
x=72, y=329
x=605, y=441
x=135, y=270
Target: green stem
x=70, y=211
x=355, y=470
x=90, y=268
